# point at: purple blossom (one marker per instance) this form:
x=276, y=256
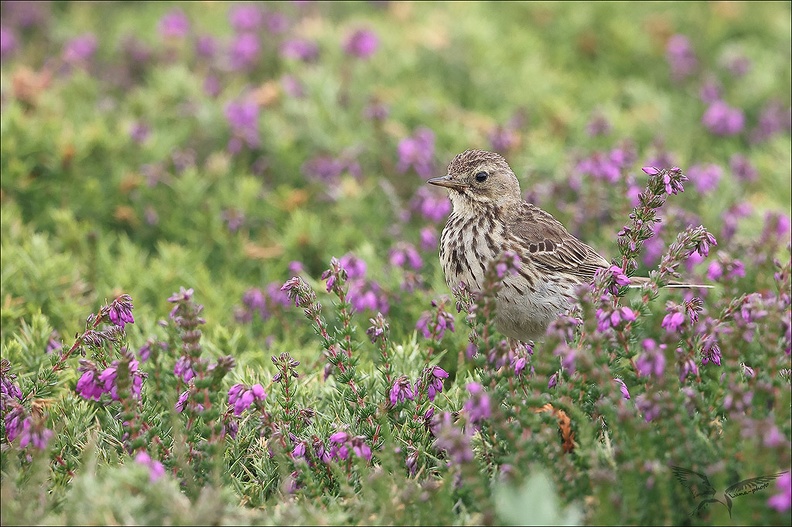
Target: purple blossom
x=722, y=119
x=206, y=46
x=156, y=469
x=738, y=65
x=139, y=132
x=7, y=42
x=519, y=365
x=681, y=57
x=174, y=24
x=182, y=402
x=338, y=447
x=362, y=44
x=35, y=434
x=775, y=118
x=503, y=138
x=430, y=204
x=300, y=49
x=782, y=501
x=478, y=406
x=299, y=450
x=376, y=110
x=553, y=381
x=608, y=166
x=80, y=49
x=613, y=318
x=242, y=116
x=598, y=125
x=401, y=391
x=119, y=312
x=244, y=51
x=276, y=23
x=404, y=253
x=433, y=324
x=211, y=86
x=742, y=168
x=673, y=321
x=623, y=388
x=710, y=91
x=417, y=152
x=355, y=267
x=452, y=440
x=648, y=406
x=13, y=421
x=652, y=361
x=364, y=295
x=245, y=17
x=242, y=398
x=433, y=377
x=705, y=177
x=88, y=386
x=360, y=448
x=568, y=355
x=183, y=369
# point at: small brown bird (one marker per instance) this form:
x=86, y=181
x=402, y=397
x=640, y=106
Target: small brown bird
x=489, y=217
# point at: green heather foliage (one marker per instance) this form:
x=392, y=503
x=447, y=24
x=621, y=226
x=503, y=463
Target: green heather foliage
x=221, y=298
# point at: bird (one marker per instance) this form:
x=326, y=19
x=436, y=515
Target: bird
x=700, y=487
x=488, y=218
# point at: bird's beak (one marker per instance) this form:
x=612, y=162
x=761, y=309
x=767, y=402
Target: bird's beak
x=447, y=182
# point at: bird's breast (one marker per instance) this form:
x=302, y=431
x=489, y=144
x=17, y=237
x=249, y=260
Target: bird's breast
x=467, y=245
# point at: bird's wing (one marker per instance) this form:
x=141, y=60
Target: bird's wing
x=749, y=486
x=696, y=483
x=546, y=242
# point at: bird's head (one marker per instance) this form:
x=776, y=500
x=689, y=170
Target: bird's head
x=477, y=178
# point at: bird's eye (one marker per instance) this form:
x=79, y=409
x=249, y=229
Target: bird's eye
x=481, y=177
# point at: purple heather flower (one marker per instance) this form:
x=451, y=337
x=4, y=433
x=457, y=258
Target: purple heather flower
x=673, y=321
x=174, y=24
x=428, y=238
x=401, y=391
x=246, y=17
x=206, y=46
x=211, y=86
x=722, y=119
x=434, y=378
x=119, y=312
x=367, y=295
x=705, y=177
x=36, y=435
x=7, y=42
x=139, y=132
x=430, y=204
x=362, y=44
x=360, y=448
x=742, y=168
x=623, y=387
x=503, y=138
x=13, y=421
x=156, y=469
x=276, y=23
x=299, y=450
x=553, y=381
x=183, y=369
x=782, y=501
x=242, y=116
x=648, y=407
x=652, y=361
x=775, y=118
x=519, y=365
x=338, y=448
x=80, y=49
x=606, y=167
x=598, y=125
x=738, y=66
x=452, y=440
x=354, y=266
x=300, y=49
x=681, y=57
x=182, y=402
x=404, y=253
x=478, y=406
x=89, y=387
x=417, y=152
x=444, y=321
x=376, y=111
x=244, y=51
x=567, y=355
x=710, y=91
x=607, y=319
x=703, y=246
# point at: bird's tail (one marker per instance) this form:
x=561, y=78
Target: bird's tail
x=639, y=281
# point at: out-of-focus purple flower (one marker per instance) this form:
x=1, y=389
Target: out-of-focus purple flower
x=174, y=24
x=614, y=318
x=648, y=406
x=139, y=132
x=782, y=501
x=362, y=44
x=417, y=152
x=738, y=65
x=401, y=391
x=242, y=116
x=246, y=17
x=652, y=361
x=13, y=421
x=433, y=324
x=299, y=450
x=503, y=138
x=623, y=387
x=431, y=205
x=182, y=402
x=80, y=49
x=211, y=86
x=722, y=119
x=452, y=440
x=183, y=369
x=403, y=254
x=156, y=469
x=354, y=266
x=338, y=447
x=54, y=343
x=567, y=354
x=598, y=125
x=742, y=168
x=25, y=14
x=681, y=57
x=428, y=238
x=244, y=51
x=365, y=294
x=206, y=46
x=673, y=321
x=552, y=381
x=35, y=434
x=733, y=216
x=300, y=49
x=89, y=387
x=606, y=166
x=8, y=42
x=710, y=351
x=276, y=23
x=710, y=91
x=376, y=111
x=705, y=177
x=233, y=219
x=478, y=406
x=519, y=365
x=360, y=448
x=775, y=118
